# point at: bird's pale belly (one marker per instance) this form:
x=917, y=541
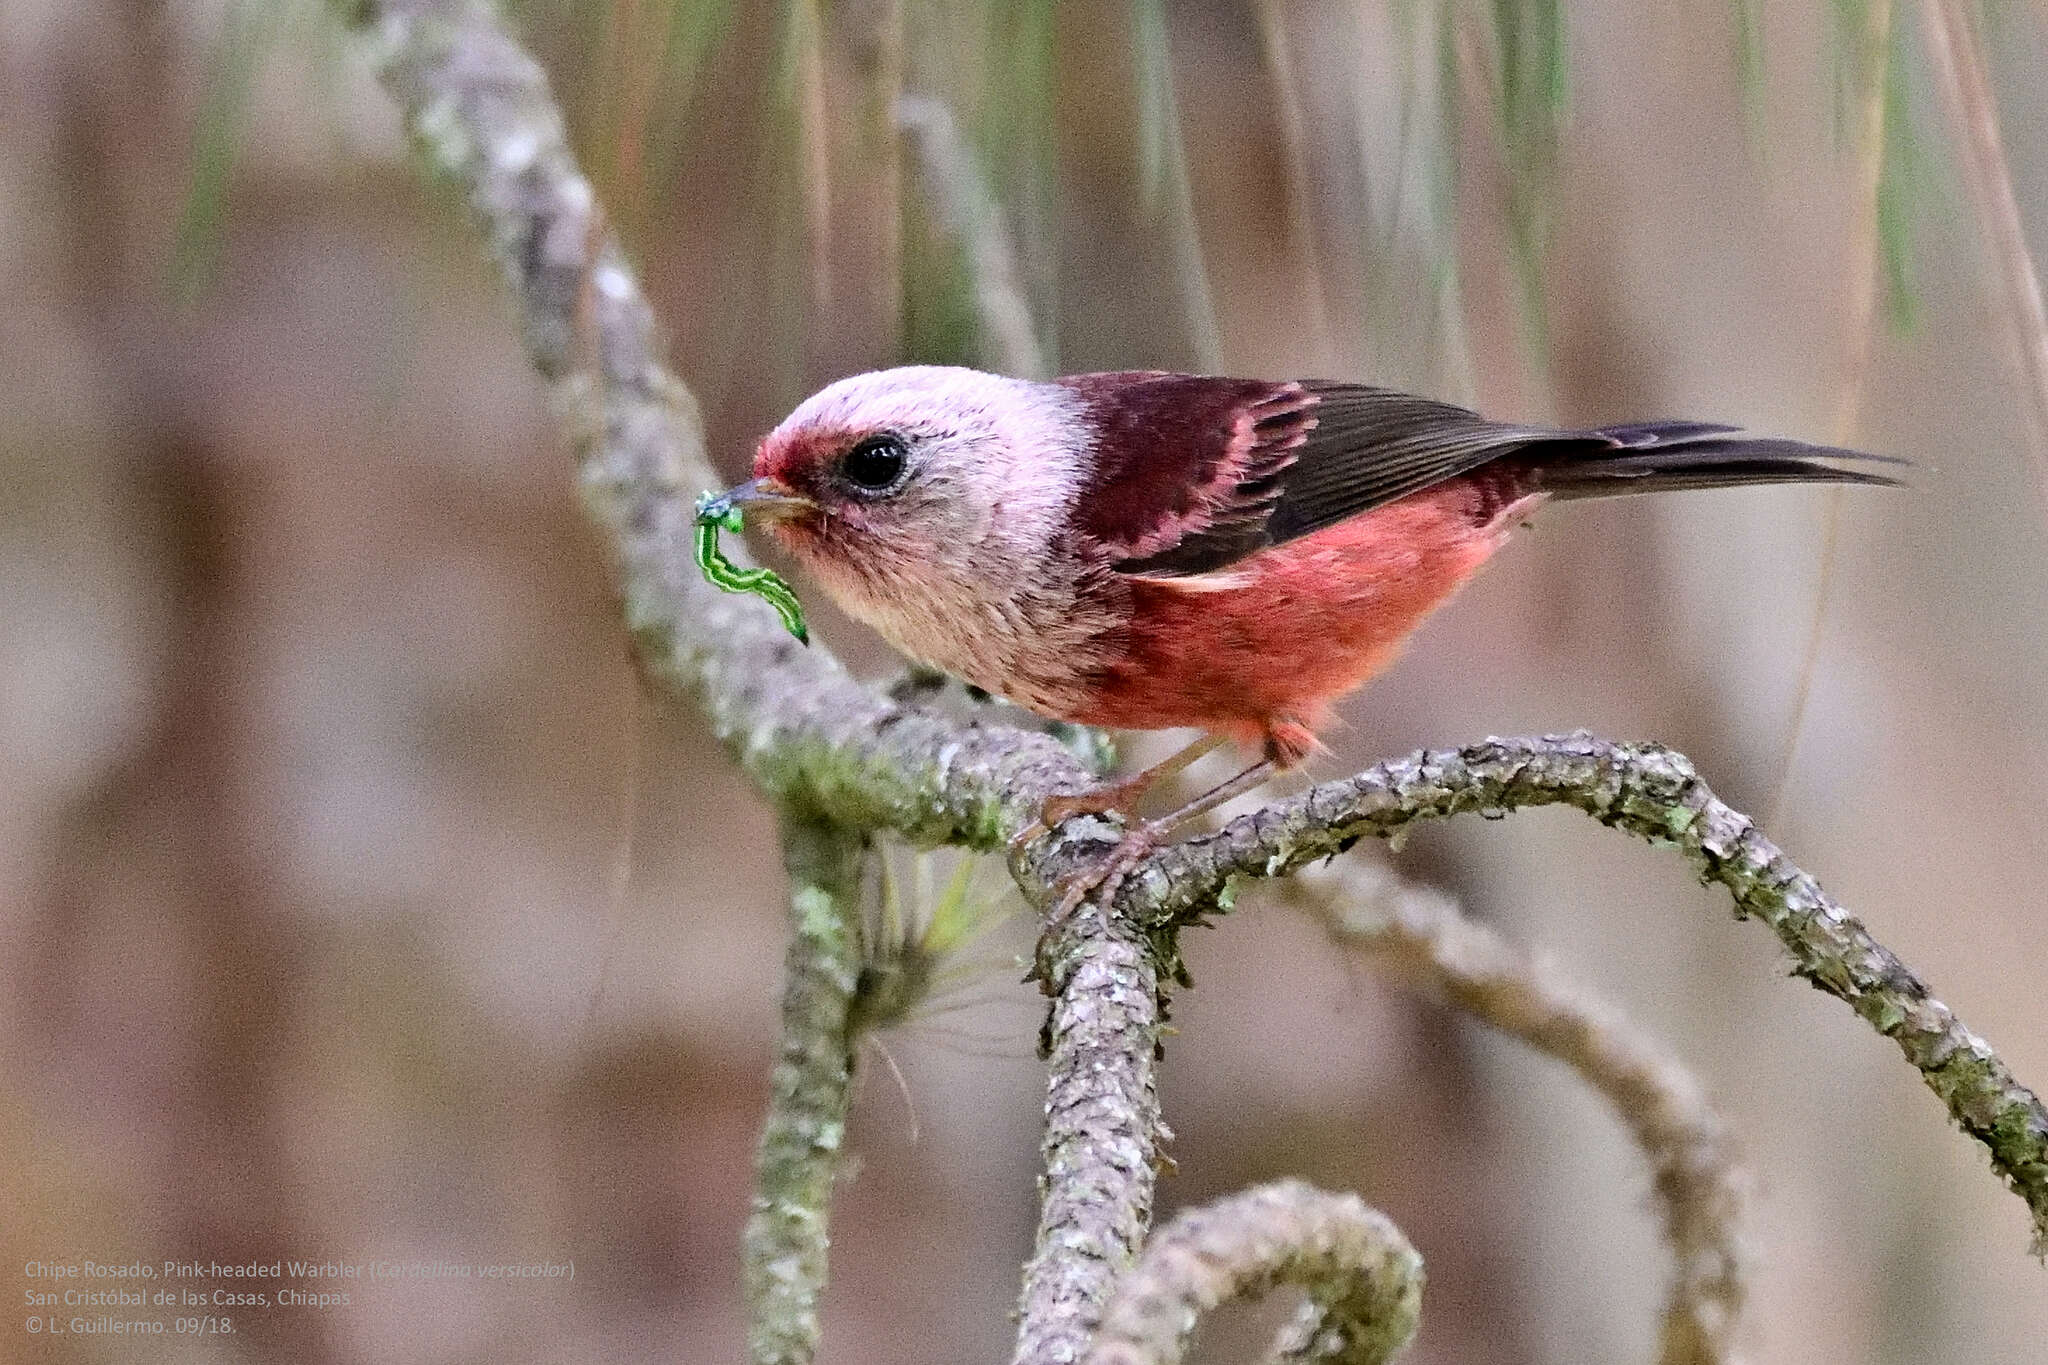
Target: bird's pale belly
x=1036, y=650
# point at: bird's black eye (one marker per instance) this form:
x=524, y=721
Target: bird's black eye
x=877, y=464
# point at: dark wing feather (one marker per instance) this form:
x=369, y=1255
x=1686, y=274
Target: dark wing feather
x=1192, y=473
x=1181, y=457
x=1373, y=446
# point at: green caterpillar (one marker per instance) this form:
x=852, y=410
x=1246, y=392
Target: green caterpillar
x=716, y=513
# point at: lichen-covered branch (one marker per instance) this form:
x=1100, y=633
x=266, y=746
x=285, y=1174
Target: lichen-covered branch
x=1654, y=794
x=785, y=1242
x=1699, y=1185
x=1102, y=1130
x=1364, y=1280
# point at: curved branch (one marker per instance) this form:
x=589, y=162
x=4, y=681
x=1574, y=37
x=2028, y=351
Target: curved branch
x=1363, y=1279
x=1698, y=1183
x=1654, y=794
x=784, y=1246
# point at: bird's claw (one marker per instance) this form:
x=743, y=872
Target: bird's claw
x=1104, y=876
x=1095, y=801
x=1100, y=879
x=1113, y=799
x=1023, y=837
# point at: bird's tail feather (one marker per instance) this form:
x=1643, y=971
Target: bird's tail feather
x=1662, y=457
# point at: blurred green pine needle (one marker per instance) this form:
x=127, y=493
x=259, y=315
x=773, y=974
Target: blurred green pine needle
x=247, y=30
x=916, y=933
x=640, y=66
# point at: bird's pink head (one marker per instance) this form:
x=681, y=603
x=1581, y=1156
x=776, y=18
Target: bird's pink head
x=909, y=482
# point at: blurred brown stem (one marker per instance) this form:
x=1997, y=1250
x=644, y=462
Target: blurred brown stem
x=1955, y=51
x=1275, y=46
x=813, y=153
x=967, y=206
x=1872, y=66
x=1699, y=1186
x=1168, y=177
x=868, y=234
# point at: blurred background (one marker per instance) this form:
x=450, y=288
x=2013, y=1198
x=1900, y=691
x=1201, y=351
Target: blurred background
x=355, y=902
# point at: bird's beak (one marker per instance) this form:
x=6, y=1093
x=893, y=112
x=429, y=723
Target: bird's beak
x=769, y=497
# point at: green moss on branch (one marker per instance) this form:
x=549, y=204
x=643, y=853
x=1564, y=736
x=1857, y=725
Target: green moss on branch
x=785, y=1245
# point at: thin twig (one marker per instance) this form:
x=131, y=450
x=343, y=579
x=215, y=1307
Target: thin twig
x=1654, y=794
x=969, y=210
x=1166, y=173
x=1699, y=1185
x=870, y=37
x=1956, y=53
x=1363, y=1279
x=783, y=1248
x=882, y=63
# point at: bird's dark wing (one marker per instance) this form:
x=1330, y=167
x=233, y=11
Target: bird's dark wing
x=1180, y=457
x=1191, y=474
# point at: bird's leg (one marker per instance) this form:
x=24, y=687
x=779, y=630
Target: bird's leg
x=1141, y=839
x=1227, y=790
x=1121, y=798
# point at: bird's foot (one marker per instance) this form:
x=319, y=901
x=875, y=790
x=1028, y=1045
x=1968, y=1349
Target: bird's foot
x=1140, y=837
x=1103, y=876
x=1112, y=798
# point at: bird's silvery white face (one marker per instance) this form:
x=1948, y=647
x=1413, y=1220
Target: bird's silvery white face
x=939, y=499
x=988, y=462
x=914, y=470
